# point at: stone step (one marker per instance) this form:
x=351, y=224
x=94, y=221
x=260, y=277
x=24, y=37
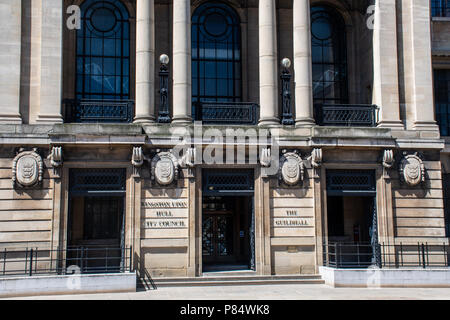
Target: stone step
x=238, y=280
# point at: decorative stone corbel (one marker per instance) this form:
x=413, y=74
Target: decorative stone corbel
x=188, y=161
x=164, y=168
x=292, y=168
x=137, y=160
x=388, y=159
x=316, y=158
x=266, y=157
x=56, y=157
x=56, y=160
x=27, y=169
x=412, y=170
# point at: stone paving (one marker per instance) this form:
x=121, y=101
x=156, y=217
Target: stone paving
x=266, y=292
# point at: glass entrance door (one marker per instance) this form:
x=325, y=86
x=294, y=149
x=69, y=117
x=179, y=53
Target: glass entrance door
x=217, y=238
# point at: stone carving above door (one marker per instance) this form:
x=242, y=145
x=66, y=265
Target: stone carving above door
x=292, y=168
x=27, y=169
x=412, y=170
x=164, y=168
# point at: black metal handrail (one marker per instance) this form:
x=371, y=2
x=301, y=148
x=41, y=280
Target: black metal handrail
x=239, y=113
x=96, y=111
x=348, y=115
x=361, y=255
x=81, y=259
x=440, y=8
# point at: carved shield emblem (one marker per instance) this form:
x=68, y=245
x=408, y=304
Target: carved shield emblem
x=27, y=169
x=164, y=168
x=164, y=171
x=291, y=169
x=412, y=170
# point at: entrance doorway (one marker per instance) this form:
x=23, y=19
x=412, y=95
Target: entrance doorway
x=96, y=220
x=352, y=218
x=228, y=220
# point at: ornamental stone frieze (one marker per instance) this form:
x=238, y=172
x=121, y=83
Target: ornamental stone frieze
x=27, y=169
x=292, y=168
x=164, y=168
x=412, y=170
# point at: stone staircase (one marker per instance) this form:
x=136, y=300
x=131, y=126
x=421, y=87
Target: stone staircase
x=237, y=278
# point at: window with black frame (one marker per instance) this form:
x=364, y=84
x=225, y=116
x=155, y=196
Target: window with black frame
x=329, y=56
x=103, y=51
x=216, y=55
x=442, y=99
x=103, y=63
x=440, y=8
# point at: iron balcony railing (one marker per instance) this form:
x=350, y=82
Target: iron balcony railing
x=95, y=111
x=364, y=255
x=348, y=115
x=440, y=8
x=237, y=113
x=84, y=260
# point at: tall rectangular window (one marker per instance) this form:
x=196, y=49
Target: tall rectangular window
x=442, y=99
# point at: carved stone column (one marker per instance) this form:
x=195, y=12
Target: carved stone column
x=385, y=90
x=10, y=48
x=51, y=50
x=182, y=82
x=268, y=70
x=303, y=64
x=145, y=62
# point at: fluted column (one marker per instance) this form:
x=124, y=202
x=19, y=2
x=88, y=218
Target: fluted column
x=303, y=64
x=182, y=81
x=268, y=71
x=145, y=62
x=385, y=64
x=10, y=48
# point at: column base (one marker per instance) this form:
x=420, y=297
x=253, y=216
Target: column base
x=10, y=119
x=398, y=125
x=144, y=120
x=425, y=126
x=269, y=122
x=181, y=120
x=305, y=122
x=49, y=119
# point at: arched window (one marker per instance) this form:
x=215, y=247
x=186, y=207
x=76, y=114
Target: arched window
x=216, y=54
x=103, y=51
x=329, y=56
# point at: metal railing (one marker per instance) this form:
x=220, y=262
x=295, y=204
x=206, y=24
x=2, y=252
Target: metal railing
x=440, y=8
x=348, y=115
x=84, y=260
x=364, y=255
x=239, y=113
x=96, y=111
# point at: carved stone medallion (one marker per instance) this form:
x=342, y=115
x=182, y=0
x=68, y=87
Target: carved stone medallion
x=412, y=170
x=27, y=169
x=164, y=168
x=291, y=168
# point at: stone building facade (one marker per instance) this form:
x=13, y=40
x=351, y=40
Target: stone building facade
x=89, y=158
